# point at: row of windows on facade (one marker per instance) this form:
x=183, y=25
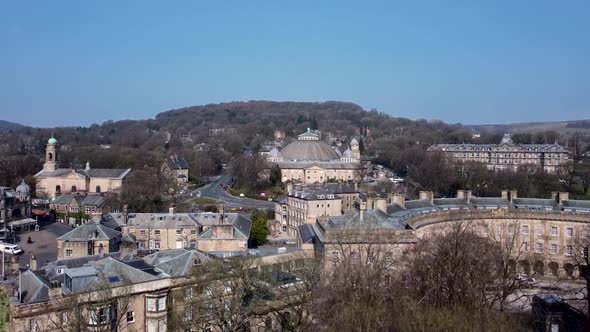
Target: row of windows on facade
x=525, y=230
x=96, y=318
x=157, y=244
x=76, y=208
x=158, y=232
x=74, y=189
x=513, y=156
x=553, y=248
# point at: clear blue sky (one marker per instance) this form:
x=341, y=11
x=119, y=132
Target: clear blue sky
x=82, y=62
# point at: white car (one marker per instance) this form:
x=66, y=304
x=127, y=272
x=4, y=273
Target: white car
x=524, y=277
x=12, y=249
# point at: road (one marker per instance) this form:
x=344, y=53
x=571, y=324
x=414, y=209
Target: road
x=214, y=191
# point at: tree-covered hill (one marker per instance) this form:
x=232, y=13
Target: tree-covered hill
x=6, y=126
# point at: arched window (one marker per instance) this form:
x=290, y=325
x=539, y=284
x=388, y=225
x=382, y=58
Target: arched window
x=50, y=155
x=58, y=189
x=97, y=189
x=74, y=189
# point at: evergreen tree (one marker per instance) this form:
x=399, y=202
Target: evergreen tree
x=259, y=230
x=361, y=146
x=313, y=123
x=275, y=175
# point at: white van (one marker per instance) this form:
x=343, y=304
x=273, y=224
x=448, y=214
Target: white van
x=12, y=249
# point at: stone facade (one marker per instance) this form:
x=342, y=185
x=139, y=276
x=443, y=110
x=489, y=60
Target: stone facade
x=304, y=204
x=205, y=231
x=507, y=155
x=88, y=239
x=309, y=160
x=176, y=168
x=53, y=181
x=548, y=235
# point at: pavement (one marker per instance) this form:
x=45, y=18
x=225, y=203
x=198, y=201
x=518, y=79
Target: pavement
x=43, y=246
x=214, y=191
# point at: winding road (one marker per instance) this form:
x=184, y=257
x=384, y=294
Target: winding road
x=214, y=191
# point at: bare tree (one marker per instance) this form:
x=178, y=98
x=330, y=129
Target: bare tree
x=223, y=295
x=293, y=287
x=578, y=249
x=355, y=292
x=101, y=309
x=509, y=250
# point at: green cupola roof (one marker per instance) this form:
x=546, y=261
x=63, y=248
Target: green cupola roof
x=52, y=140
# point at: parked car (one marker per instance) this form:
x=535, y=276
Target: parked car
x=525, y=278
x=12, y=249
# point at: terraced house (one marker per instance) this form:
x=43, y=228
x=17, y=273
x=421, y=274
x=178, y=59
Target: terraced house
x=209, y=232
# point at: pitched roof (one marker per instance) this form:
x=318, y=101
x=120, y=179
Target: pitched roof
x=177, y=163
x=176, y=262
x=113, y=173
x=35, y=288
x=90, y=231
x=87, y=200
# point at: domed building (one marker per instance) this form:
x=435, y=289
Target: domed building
x=309, y=160
x=53, y=181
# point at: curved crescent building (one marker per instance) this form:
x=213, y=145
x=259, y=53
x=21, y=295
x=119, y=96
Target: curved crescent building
x=309, y=160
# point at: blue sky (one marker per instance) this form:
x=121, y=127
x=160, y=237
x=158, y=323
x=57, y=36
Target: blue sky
x=83, y=62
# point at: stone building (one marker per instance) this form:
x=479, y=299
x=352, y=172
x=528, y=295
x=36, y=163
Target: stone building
x=507, y=155
x=176, y=168
x=547, y=232
x=206, y=231
x=15, y=206
x=309, y=160
x=53, y=181
x=304, y=204
x=88, y=239
x=80, y=205
x=143, y=294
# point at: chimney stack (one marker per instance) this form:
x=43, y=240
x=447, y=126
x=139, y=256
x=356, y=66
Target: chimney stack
x=171, y=209
x=563, y=196
x=426, y=195
x=399, y=199
x=33, y=263
x=125, y=214
x=87, y=165
x=505, y=194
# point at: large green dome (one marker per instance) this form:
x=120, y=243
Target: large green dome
x=52, y=140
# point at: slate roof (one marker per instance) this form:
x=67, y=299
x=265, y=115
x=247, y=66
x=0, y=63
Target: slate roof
x=418, y=203
x=113, y=173
x=334, y=164
x=312, y=194
x=50, y=269
x=309, y=233
x=393, y=208
x=440, y=202
x=241, y=227
x=90, y=231
x=109, y=270
x=534, y=202
x=371, y=219
x=177, y=163
x=176, y=262
x=87, y=200
x=153, y=220
x=578, y=204
x=35, y=288
x=489, y=201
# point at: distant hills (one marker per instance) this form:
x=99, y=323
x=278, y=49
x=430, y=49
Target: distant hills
x=561, y=127
x=6, y=126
